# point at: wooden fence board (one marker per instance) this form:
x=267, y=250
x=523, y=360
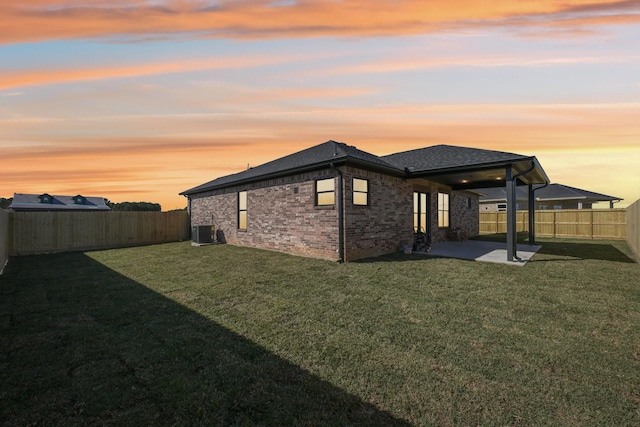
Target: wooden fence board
x=633, y=228
x=4, y=237
x=44, y=232
x=578, y=223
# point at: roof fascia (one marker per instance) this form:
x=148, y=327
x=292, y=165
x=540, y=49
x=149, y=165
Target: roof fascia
x=476, y=166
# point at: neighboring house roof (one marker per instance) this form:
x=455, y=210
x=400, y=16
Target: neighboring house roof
x=550, y=193
x=451, y=165
x=47, y=202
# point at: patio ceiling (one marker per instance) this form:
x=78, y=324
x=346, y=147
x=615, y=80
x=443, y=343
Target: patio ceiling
x=487, y=175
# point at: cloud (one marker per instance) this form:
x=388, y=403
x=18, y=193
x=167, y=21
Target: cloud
x=258, y=19
x=201, y=147
x=480, y=61
x=21, y=78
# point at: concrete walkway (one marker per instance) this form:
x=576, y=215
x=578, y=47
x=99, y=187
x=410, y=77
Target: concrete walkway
x=476, y=250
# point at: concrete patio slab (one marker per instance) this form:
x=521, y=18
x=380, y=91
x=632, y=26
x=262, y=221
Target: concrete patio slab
x=483, y=251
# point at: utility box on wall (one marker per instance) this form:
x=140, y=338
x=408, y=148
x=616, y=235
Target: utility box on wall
x=202, y=233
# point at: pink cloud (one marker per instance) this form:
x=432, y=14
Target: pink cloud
x=58, y=19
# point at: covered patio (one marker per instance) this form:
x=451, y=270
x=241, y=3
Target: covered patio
x=471, y=169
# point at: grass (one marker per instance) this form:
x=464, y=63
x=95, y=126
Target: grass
x=221, y=335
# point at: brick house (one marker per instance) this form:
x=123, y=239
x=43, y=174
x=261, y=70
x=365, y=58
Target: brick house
x=337, y=202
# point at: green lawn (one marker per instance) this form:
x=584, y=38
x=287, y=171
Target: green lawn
x=220, y=335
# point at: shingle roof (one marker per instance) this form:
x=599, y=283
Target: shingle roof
x=23, y=201
x=449, y=157
x=323, y=154
x=440, y=159
x=550, y=192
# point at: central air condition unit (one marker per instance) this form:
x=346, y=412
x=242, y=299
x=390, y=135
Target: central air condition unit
x=202, y=234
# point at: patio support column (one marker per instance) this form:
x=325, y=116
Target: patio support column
x=511, y=214
x=532, y=215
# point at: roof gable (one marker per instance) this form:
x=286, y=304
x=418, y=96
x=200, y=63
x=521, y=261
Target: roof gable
x=316, y=156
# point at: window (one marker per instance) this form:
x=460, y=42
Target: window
x=420, y=209
x=325, y=192
x=360, y=192
x=543, y=207
x=242, y=210
x=443, y=210
x=501, y=207
x=557, y=207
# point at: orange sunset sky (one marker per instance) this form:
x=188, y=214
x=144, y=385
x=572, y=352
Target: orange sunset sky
x=139, y=100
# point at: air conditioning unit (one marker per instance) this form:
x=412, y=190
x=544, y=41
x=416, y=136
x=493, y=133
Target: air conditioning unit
x=202, y=233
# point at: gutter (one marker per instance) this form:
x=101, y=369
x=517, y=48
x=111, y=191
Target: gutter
x=488, y=165
x=189, y=213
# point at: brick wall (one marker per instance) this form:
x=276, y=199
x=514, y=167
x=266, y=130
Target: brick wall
x=464, y=212
x=281, y=216
x=383, y=226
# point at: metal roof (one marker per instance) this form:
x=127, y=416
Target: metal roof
x=31, y=202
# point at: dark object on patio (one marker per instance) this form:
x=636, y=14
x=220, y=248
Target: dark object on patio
x=420, y=242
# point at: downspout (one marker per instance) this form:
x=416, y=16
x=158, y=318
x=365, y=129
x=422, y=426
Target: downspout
x=514, y=239
x=340, y=207
x=532, y=221
x=189, y=214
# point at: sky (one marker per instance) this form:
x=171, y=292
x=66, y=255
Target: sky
x=139, y=100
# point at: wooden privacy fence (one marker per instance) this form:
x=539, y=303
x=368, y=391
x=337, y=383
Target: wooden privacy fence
x=44, y=232
x=633, y=228
x=4, y=238
x=579, y=223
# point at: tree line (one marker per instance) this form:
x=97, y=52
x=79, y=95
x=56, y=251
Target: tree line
x=133, y=206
